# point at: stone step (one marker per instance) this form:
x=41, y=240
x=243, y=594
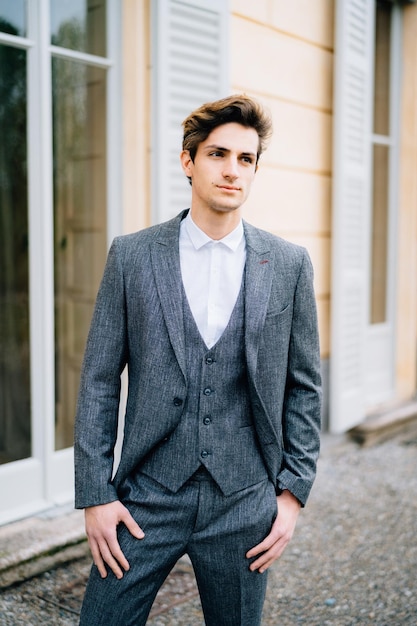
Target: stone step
x=379, y=427
x=33, y=545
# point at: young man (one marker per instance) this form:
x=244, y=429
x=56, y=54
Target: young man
x=216, y=322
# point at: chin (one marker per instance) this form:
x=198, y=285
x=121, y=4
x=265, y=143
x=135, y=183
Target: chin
x=225, y=209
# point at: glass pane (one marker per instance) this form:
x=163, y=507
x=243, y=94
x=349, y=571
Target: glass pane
x=15, y=435
x=79, y=25
x=382, y=68
x=13, y=17
x=79, y=130
x=379, y=235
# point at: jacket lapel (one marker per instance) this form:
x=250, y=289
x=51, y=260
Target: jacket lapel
x=259, y=268
x=167, y=273
x=165, y=261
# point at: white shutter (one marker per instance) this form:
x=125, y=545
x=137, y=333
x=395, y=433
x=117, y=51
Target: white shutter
x=353, y=97
x=189, y=67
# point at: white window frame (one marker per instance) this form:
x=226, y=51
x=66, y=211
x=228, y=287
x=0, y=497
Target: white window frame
x=46, y=478
x=351, y=332
x=381, y=344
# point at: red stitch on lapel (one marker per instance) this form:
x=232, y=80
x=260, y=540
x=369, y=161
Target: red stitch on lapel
x=263, y=262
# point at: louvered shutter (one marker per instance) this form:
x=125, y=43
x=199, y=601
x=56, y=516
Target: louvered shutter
x=190, y=67
x=353, y=75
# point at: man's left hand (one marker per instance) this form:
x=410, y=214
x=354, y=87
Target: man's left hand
x=281, y=533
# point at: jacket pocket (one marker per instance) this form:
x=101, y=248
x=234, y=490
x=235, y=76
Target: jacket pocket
x=275, y=312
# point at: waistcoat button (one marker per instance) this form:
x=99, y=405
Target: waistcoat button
x=204, y=454
x=209, y=360
x=207, y=391
x=177, y=401
x=207, y=420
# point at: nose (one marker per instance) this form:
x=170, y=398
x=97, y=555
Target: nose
x=231, y=170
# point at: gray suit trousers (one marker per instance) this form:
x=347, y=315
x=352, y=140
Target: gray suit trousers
x=214, y=530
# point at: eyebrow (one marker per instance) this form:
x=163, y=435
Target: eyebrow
x=221, y=149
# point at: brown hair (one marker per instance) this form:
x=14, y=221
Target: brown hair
x=236, y=108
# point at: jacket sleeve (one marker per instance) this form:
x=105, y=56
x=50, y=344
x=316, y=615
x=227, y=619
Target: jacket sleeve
x=301, y=417
x=98, y=400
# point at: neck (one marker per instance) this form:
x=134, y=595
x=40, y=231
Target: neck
x=216, y=225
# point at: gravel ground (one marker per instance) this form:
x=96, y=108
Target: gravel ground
x=353, y=559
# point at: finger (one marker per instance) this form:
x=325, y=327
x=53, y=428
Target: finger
x=263, y=562
x=132, y=526
x=117, y=554
x=106, y=550
x=262, y=566
x=114, y=561
x=268, y=557
x=98, y=561
x=260, y=563
x=273, y=536
x=265, y=545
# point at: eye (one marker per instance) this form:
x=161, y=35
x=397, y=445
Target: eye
x=216, y=153
x=247, y=159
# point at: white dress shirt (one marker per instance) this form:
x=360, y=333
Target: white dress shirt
x=212, y=276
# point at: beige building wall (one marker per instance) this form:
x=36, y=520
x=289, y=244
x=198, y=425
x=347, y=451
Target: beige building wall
x=282, y=54
x=407, y=215
x=136, y=41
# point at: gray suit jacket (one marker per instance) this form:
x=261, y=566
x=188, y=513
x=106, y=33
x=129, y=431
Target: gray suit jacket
x=138, y=322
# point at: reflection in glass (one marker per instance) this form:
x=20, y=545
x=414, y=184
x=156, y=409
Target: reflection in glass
x=79, y=131
x=379, y=235
x=79, y=25
x=382, y=68
x=13, y=17
x=15, y=419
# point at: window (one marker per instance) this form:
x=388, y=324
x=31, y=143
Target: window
x=367, y=86
x=15, y=395
x=79, y=90
x=381, y=140
x=60, y=134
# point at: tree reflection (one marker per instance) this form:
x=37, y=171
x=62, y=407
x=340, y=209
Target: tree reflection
x=14, y=265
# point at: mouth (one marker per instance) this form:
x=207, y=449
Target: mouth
x=228, y=188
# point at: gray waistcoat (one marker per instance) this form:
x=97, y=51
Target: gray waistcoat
x=216, y=429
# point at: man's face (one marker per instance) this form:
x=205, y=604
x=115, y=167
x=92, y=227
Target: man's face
x=223, y=168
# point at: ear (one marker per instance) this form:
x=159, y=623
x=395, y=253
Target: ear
x=186, y=162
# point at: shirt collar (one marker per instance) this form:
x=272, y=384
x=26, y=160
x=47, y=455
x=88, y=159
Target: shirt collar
x=200, y=239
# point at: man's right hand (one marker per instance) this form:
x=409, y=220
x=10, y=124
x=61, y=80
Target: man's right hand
x=100, y=524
